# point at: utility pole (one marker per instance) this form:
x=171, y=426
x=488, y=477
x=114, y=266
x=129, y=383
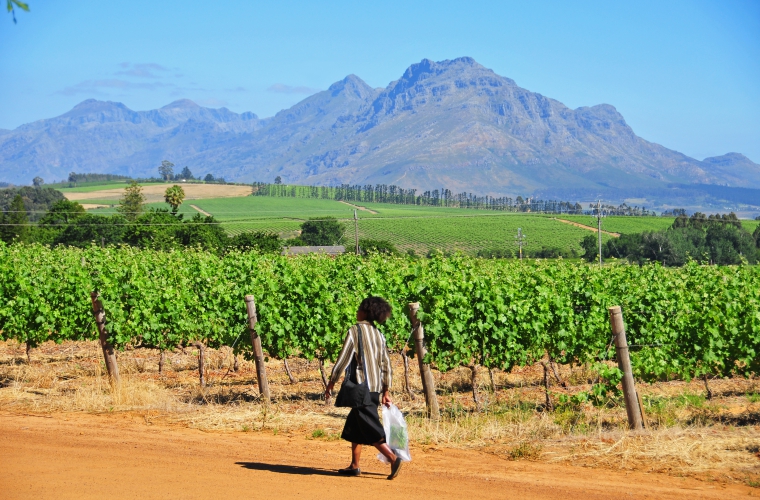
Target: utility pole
x=356, y=232
x=520, y=238
x=599, y=228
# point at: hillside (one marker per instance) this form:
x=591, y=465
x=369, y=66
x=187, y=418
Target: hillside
x=452, y=123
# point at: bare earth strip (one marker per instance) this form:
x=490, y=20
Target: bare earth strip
x=155, y=192
x=583, y=226
x=358, y=207
x=200, y=210
x=125, y=455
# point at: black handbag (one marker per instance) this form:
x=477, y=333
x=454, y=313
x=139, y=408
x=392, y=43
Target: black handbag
x=353, y=394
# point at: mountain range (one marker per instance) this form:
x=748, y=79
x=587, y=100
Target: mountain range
x=451, y=123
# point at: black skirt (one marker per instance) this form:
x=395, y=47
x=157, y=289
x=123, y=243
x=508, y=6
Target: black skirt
x=363, y=424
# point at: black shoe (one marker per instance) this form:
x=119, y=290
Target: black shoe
x=348, y=471
x=395, y=468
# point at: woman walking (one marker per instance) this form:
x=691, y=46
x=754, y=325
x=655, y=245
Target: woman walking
x=373, y=364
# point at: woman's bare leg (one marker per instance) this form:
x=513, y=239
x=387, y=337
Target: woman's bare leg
x=386, y=451
x=356, y=455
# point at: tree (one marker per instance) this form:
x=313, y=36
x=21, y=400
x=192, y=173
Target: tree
x=11, y=4
x=156, y=229
x=186, y=174
x=61, y=213
x=132, y=203
x=590, y=249
x=257, y=240
x=166, y=170
x=204, y=232
x=38, y=181
x=377, y=246
x=323, y=231
x=727, y=244
x=627, y=246
x=36, y=200
x=15, y=226
x=278, y=180
x=90, y=228
x=50, y=226
x=209, y=178
x=174, y=196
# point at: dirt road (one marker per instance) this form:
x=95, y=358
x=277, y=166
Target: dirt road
x=583, y=226
x=126, y=456
x=358, y=207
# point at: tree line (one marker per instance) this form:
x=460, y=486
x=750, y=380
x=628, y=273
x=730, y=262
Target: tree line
x=43, y=215
x=715, y=239
x=384, y=193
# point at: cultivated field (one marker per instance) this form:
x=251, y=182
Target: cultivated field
x=154, y=192
x=418, y=228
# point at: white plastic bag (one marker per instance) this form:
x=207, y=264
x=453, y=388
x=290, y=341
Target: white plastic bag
x=396, y=434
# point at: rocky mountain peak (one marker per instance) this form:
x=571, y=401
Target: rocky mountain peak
x=352, y=85
x=91, y=111
x=182, y=104
x=729, y=160
x=96, y=106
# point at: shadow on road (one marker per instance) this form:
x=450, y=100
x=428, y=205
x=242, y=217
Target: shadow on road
x=295, y=469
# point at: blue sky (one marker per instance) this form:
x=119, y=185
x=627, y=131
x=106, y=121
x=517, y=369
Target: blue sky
x=683, y=74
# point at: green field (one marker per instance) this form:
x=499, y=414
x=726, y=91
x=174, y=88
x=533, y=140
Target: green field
x=622, y=224
x=412, y=227
x=408, y=227
x=750, y=225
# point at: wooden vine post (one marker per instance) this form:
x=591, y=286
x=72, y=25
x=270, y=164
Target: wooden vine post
x=408, y=387
x=428, y=384
x=108, y=352
x=624, y=363
x=201, y=363
x=261, y=373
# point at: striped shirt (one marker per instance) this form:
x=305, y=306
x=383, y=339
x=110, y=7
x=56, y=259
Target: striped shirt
x=377, y=362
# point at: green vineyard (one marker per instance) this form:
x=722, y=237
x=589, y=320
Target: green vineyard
x=682, y=322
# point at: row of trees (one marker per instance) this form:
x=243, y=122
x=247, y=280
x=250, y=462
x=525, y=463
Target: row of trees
x=384, y=193
x=623, y=209
x=714, y=239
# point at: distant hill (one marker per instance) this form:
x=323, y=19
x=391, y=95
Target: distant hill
x=452, y=123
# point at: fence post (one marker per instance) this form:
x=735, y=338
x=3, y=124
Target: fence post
x=624, y=363
x=428, y=384
x=108, y=353
x=261, y=373
x=201, y=363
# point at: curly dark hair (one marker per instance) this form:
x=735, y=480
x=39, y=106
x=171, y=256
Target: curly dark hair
x=376, y=309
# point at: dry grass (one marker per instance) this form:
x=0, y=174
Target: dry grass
x=683, y=451
x=687, y=435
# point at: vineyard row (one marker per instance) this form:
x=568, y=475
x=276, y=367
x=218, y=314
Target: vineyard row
x=681, y=322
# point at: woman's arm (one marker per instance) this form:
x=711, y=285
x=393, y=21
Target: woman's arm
x=386, y=373
x=344, y=358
